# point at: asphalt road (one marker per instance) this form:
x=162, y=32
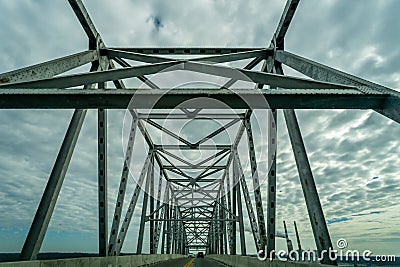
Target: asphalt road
x=189, y=262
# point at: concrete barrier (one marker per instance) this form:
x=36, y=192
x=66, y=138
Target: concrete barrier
x=120, y=261
x=243, y=261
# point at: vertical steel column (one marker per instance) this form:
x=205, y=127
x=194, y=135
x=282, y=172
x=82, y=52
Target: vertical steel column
x=271, y=208
x=175, y=231
x=208, y=249
x=169, y=237
x=185, y=241
x=122, y=188
x=212, y=231
x=178, y=233
x=183, y=238
x=224, y=229
x=151, y=228
x=144, y=207
x=229, y=207
x=297, y=237
x=158, y=214
x=256, y=184
x=164, y=230
x=227, y=229
x=217, y=227
x=102, y=181
x=288, y=241
x=234, y=206
x=215, y=236
x=165, y=215
x=241, y=224
x=48, y=201
x=221, y=232
x=314, y=208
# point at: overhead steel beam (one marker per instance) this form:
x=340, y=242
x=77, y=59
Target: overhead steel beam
x=318, y=71
x=193, y=220
x=202, y=116
x=314, y=208
x=186, y=50
x=172, y=155
x=49, y=69
x=217, y=132
x=259, y=77
x=170, y=133
x=85, y=20
x=274, y=80
x=113, y=53
x=161, y=99
x=249, y=66
x=286, y=18
x=217, y=154
x=184, y=147
x=262, y=53
x=203, y=173
x=94, y=77
x=125, y=64
x=200, y=178
x=166, y=167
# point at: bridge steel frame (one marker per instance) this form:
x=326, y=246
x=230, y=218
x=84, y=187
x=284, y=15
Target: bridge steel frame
x=182, y=222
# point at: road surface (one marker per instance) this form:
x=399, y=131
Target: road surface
x=189, y=262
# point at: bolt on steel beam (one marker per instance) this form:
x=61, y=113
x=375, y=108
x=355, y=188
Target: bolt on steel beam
x=122, y=188
x=102, y=181
x=256, y=183
x=271, y=182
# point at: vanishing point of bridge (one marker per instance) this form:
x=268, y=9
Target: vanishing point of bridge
x=189, y=205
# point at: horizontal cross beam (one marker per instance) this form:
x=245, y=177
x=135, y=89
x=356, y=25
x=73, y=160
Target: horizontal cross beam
x=186, y=50
x=163, y=99
x=192, y=220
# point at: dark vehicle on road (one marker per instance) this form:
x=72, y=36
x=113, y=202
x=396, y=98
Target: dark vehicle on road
x=200, y=255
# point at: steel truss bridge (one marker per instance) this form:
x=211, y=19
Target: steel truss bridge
x=202, y=211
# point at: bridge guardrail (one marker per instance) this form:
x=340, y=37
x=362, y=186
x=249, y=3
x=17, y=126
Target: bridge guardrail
x=115, y=261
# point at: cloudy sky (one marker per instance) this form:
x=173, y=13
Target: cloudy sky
x=354, y=154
